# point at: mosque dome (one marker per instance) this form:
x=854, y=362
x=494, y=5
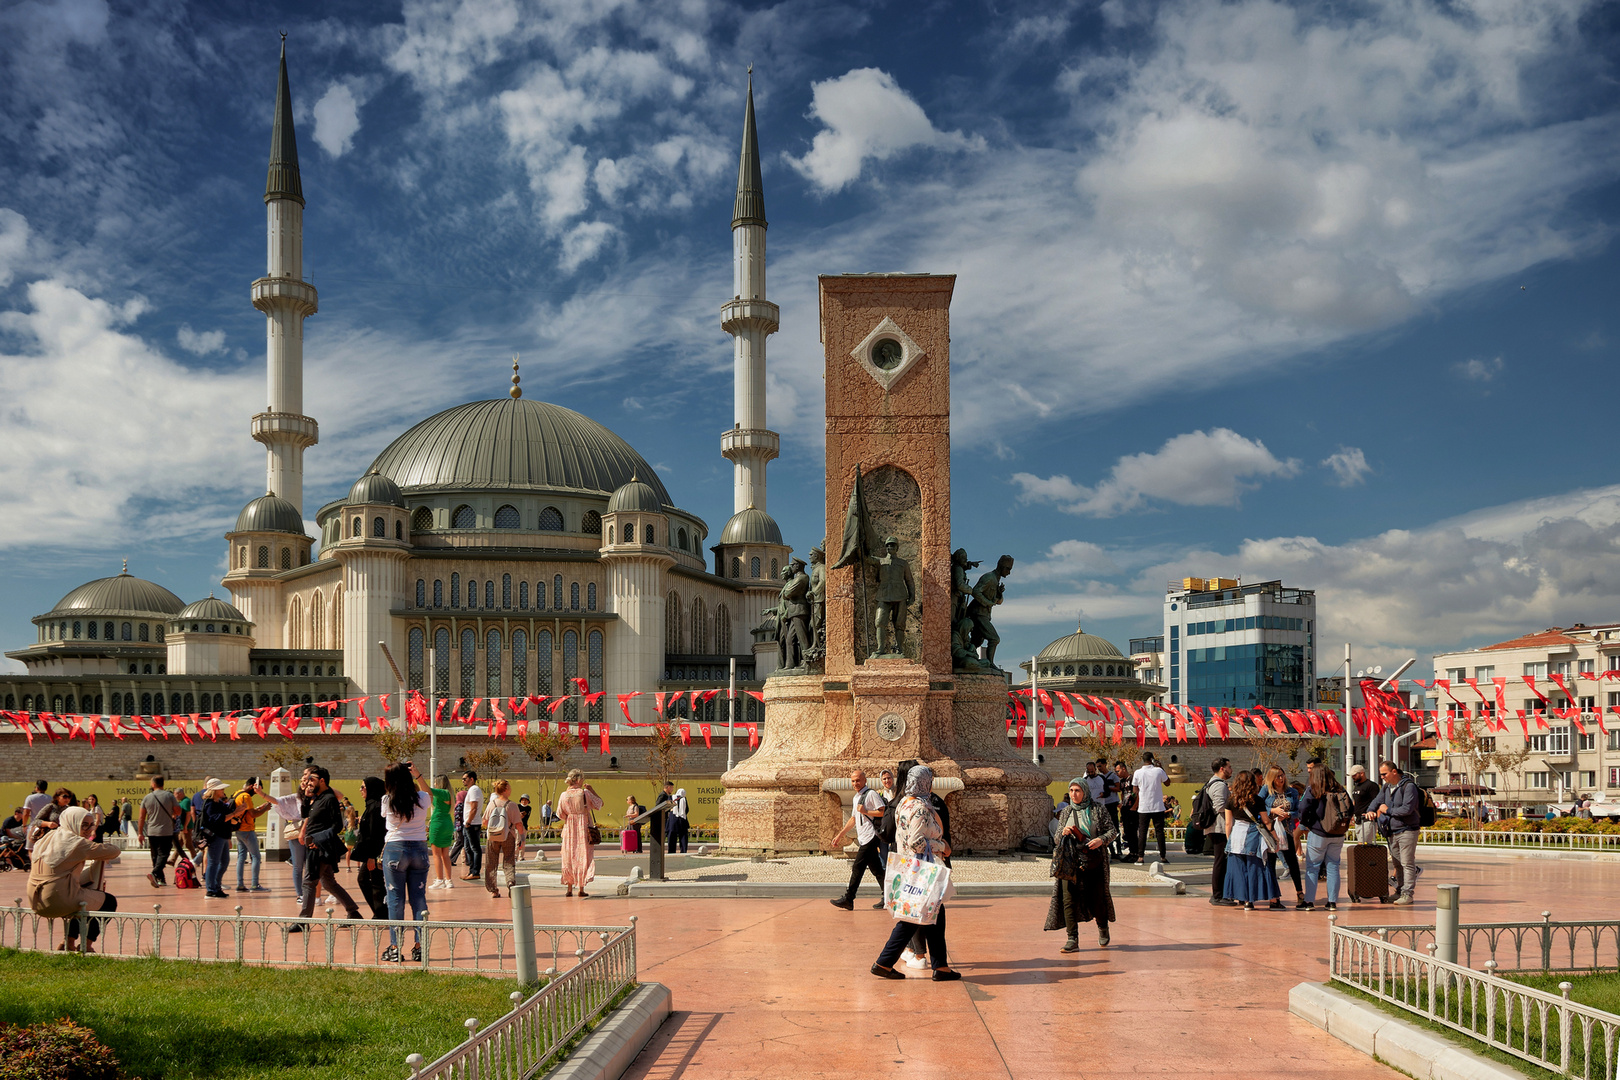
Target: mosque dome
x=751, y=526
x=375, y=489
x=212, y=609
x=1080, y=646
x=514, y=444
x=635, y=496
x=121, y=595
x=270, y=513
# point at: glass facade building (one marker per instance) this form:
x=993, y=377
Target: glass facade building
x=1240, y=646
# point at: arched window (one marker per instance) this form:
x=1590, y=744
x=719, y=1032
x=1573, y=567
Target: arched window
x=94, y=629
x=489, y=594
x=1096, y=669
x=523, y=596
x=647, y=534
x=127, y=632
x=177, y=703
x=146, y=704
x=753, y=567
x=556, y=591
x=629, y=532
x=591, y=523
x=700, y=626
x=573, y=596
x=593, y=673
x=399, y=530
x=736, y=567
x=540, y=596
x=241, y=557
x=610, y=534
x=422, y=519
x=570, y=672
x=590, y=597
x=379, y=528
x=157, y=629
x=776, y=571
x=520, y=663
x=317, y=608
x=1068, y=669
x=264, y=557
x=264, y=700
x=551, y=520
x=438, y=593
x=455, y=590
x=337, y=617
x=441, y=660
x=421, y=593
x=542, y=663
x=722, y=630
x=672, y=623
x=680, y=539
x=469, y=664
x=472, y=593
x=286, y=558
x=188, y=704
x=142, y=633
x=354, y=527
x=492, y=663
x=463, y=518
x=506, y=590
x=78, y=630
x=72, y=706
x=295, y=624
x=507, y=517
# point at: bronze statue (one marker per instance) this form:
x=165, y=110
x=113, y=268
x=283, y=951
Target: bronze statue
x=793, y=617
x=818, y=605
x=989, y=592
x=961, y=588
x=895, y=593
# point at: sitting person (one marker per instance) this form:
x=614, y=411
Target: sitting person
x=66, y=864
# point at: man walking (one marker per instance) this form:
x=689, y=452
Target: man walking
x=1362, y=794
x=472, y=809
x=1110, y=798
x=1150, y=780
x=322, y=836
x=868, y=808
x=1399, y=813
x=247, y=838
x=546, y=814
x=160, y=816
x=1125, y=789
x=888, y=794
x=1215, y=834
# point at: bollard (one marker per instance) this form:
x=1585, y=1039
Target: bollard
x=523, y=934
x=1446, y=916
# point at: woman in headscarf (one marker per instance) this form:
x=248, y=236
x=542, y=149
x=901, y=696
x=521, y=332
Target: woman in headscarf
x=1087, y=897
x=918, y=833
x=57, y=882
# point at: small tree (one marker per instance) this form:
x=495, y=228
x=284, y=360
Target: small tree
x=488, y=763
x=1479, y=751
x=286, y=755
x=395, y=744
x=549, y=751
x=664, y=755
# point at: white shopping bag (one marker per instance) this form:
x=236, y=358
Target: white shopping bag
x=915, y=888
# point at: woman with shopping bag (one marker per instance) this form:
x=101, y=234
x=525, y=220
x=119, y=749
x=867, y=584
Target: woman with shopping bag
x=1080, y=867
x=918, y=882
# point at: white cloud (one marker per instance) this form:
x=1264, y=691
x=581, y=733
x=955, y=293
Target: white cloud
x=203, y=343
x=337, y=118
x=583, y=243
x=1479, y=370
x=1349, y=466
x=865, y=116
x=13, y=243
x=1200, y=468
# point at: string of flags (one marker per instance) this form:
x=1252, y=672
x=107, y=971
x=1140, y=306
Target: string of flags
x=1038, y=709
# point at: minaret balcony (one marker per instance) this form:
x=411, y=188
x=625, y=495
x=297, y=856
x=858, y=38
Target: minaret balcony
x=750, y=443
x=277, y=427
x=740, y=314
x=274, y=292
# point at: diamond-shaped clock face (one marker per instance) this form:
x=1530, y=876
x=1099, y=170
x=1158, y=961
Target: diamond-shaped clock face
x=887, y=353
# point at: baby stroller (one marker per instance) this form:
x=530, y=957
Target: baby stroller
x=13, y=855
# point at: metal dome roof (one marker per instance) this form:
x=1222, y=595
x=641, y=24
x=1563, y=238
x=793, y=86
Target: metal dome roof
x=635, y=496
x=514, y=444
x=1080, y=646
x=122, y=595
x=214, y=609
x=270, y=513
x=376, y=489
x=751, y=526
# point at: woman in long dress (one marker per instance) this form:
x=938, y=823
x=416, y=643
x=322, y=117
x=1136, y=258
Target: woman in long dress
x=1247, y=826
x=578, y=854
x=1087, y=897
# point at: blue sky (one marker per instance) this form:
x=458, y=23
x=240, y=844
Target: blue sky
x=1324, y=292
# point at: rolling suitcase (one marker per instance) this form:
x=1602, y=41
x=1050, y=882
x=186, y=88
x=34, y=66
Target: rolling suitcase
x=1366, y=869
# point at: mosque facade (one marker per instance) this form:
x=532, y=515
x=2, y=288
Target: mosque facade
x=499, y=548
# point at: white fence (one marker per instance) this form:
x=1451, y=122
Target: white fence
x=1542, y=841
x=1547, y=1029
x=1544, y=947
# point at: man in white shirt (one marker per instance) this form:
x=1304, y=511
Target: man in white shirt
x=291, y=809
x=867, y=809
x=473, y=827
x=1149, y=781
x=32, y=805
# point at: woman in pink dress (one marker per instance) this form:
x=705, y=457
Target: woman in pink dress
x=578, y=854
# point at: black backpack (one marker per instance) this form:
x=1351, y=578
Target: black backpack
x=1203, y=808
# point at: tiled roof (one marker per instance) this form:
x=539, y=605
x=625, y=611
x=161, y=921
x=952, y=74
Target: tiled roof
x=1541, y=640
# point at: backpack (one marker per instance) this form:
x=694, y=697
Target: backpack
x=185, y=874
x=1203, y=809
x=1425, y=808
x=497, y=821
x=1338, y=811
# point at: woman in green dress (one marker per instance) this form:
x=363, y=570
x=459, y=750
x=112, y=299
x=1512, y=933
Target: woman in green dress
x=441, y=831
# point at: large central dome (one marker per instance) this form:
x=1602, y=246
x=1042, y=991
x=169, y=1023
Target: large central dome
x=514, y=443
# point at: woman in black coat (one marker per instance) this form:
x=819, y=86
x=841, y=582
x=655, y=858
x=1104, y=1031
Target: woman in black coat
x=368, y=849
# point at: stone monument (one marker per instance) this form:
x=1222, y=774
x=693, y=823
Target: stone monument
x=887, y=354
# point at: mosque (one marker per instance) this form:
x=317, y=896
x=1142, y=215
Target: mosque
x=496, y=549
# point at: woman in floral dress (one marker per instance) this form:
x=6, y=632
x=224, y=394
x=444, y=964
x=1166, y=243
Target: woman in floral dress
x=578, y=854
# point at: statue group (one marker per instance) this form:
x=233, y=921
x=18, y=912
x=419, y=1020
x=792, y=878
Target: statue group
x=801, y=614
x=971, y=624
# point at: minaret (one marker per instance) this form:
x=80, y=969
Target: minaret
x=286, y=300
x=748, y=318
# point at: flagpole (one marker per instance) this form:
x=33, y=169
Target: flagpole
x=433, y=729
x=1349, y=730
x=731, y=719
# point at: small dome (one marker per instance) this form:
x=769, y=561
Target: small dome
x=1080, y=646
x=124, y=595
x=375, y=489
x=751, y=526
x=213, y=609
x=635, y=496
x=270, y=513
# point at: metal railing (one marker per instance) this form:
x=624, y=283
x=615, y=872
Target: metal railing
x=485, y=948
x=1548, y=1030
x=1537, y=840
x=1545, y=947
x=521, y=1043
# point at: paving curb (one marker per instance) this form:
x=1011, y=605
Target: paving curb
x=1401, y=1045
x=1521, y=853
x=608, y=1051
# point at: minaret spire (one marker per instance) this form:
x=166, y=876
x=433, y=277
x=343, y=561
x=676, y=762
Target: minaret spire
x=749, y=318
x=286, y=300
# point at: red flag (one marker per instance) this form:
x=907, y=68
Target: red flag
x=555, y=705
x=584, y=687
x=499, y=723
x=602, y=748
x=624, y=705
x=686, y=734
x=584, y=735
x=1046, y=701
x=753, y=736
x=1530, y=681
x=704, y=728
x=1569, y=695
x=115, y=724
x=757, y=695
x=1523, y=725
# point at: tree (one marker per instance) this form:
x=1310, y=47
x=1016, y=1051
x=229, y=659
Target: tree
x=664, y=755
x=286, y=755
x=549, y=750
x=1481, y=754
x=395, y=744
x=488, y=763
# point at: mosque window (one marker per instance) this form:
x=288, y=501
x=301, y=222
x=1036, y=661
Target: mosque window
x=92, y=634
x=210, y=628
x=629, y=532
x=672, y=622
x=700, y=626
x=354, y=527
x=441, y=660
x=379, y=528
x=438, y=593
x=421, y=593
x=776, y=571
x=610, y=534
x=463, y=518
x=722, y=630
x=158, y=630
x=542, y=663
x=275, y=669
x=472, y=593
x=127, y=631
x=455, y=590
x=264, y=557
x=590, y=597
x=570, y=672
x=591, y=523
x=236, y=702
x=264, y=669
x=71, y=706
x=132, y=669
x=520, y=663
x=506, y=590
x=753, y=567
x=286, y=558
x=146, y=704
x=188, y=704
x=146, y=669
x=647, y=534
x=551, y=520
x=422, y=519
x=593, y=672
x=507, y=517
x=523, y=596
x=736, y=567
x=142, y=633
x=573, y=596
x=1110, y=670
x=469, y=664
x=680, y=539
x=1068, y=669
x=275, y=699
x=556, y=591
x=78, y=630
x=489, y=594
x=238, y=629
x=264, y=700
x=492, y=663
x=177, y=703
x=399, y=530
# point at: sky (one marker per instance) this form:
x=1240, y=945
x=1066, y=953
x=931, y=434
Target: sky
x=1323, y=292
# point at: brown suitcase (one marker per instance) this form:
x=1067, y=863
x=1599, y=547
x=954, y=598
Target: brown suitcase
x=1366, y=871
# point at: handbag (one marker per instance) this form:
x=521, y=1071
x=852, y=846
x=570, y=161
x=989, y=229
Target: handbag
x=1067, y=859
x=915, y=889
x=1267, y=840
x=595, y=829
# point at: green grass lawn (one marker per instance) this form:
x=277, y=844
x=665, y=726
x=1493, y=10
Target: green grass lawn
x=1598, y=991
x=1501, y=1057
x=178, y=1020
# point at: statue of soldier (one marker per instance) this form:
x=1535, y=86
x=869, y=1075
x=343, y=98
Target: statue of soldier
x=793, y=616
x=987, y=593
x=895, y=592
x=818, y=605
x=961, y=588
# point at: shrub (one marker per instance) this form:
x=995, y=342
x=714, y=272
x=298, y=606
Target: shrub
x=55, y=1050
